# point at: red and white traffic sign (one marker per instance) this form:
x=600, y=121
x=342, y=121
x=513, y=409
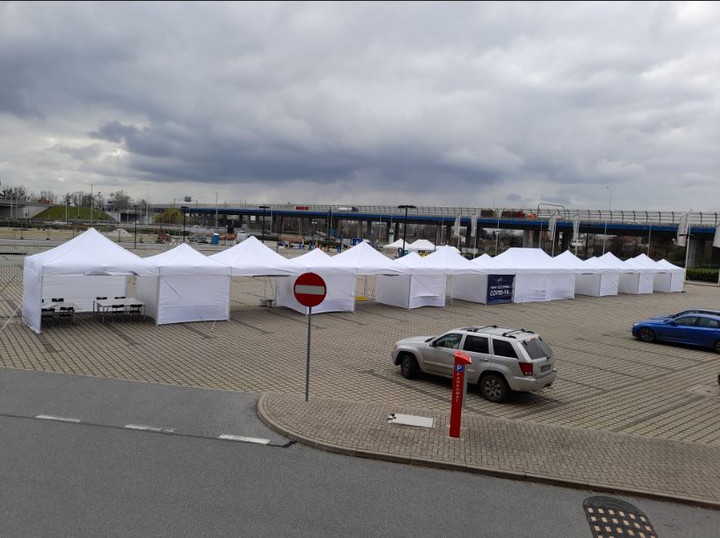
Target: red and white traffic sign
x=309, y=289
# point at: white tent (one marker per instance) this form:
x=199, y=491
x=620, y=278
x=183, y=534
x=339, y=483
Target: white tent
x=421, y=284
x=468, y=281
x=677, y=279
x=339, y=284
x=63, y=271
x=633, y=280
x=662, y=275
x=421, y=245
x=590, y=280
x=252, y=258
x=538, y=276
x=363, y=259
x=189, y=286
x=395, y=245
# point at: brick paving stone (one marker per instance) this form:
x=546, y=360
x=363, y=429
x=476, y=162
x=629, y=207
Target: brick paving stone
x=602, y=460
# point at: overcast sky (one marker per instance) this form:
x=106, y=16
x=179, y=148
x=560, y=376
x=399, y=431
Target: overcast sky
x=587, y=105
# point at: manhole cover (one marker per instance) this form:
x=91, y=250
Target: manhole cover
x=613, y=518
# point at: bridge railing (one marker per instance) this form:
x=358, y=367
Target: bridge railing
x=616, y=216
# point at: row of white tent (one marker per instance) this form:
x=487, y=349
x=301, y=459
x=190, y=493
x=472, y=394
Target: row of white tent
x=421, y=245
x=182, y=285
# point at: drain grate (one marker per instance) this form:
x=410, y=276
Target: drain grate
x=613, y=518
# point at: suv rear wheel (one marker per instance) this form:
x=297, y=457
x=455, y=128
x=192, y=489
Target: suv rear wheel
x=408, y=366
x=494, y=388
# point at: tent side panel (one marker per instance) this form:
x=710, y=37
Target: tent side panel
x=677, y=281
x=530, y=288
x=609, y=283
x=339, y=296
x=629, y=283
x=393, y=290
x=471, y=288
x=32, y=298
x=590, y=284
x=427, y=290
x=561, y=285
x=662, y=282
x=645, y=283
x=189, y=298
x=146, y=289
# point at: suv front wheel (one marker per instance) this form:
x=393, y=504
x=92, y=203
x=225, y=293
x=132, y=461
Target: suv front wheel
x=494, y=388
x=408, y=366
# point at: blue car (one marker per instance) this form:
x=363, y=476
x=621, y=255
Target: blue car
x=693, y=329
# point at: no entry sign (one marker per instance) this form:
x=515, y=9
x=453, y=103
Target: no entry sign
x=309, y=289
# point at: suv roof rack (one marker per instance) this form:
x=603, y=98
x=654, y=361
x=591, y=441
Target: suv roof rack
x=476, y=329
x=509, y=334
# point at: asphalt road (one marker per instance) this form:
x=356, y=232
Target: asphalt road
x=98, y=478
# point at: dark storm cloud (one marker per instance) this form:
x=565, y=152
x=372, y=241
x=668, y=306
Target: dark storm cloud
x=445, y=100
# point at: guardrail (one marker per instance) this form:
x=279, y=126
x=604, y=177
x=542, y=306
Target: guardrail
x=617, y=216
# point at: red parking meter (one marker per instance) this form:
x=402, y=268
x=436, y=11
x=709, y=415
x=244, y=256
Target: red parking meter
x=461, y=360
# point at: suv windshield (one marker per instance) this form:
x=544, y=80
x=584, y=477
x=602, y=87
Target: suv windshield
x=537, y=349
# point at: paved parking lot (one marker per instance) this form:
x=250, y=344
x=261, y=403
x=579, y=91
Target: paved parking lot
x=607, y=380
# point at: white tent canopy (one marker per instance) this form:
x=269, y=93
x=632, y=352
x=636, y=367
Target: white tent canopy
x=633, y=280
x=63, y=271
x=363, y=259
x=189, y=287
x=252, y=258
x=395, y=245
x=677, y=279
x=339, y=283
x=662, y=274
x=590, y=280
x=421, y=284
x=538, y=276
x=421, y=245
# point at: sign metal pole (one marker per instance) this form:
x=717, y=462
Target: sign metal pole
x=307, y=363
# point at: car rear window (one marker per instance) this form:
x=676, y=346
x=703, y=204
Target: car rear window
x=503, y=349
x=537, y=348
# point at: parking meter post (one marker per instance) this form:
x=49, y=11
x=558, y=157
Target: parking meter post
x=307, y=363
x=461, y=360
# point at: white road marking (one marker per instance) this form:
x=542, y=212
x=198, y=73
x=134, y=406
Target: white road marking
x=59, y=419
x=243, y=439
x=144, y=428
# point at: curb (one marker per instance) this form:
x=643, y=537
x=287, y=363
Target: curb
x=270, y=422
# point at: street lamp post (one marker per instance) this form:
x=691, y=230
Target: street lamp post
x=184, y=209
x=263, y=207
x=405, y=207
x=135, y=214
x=608, y=216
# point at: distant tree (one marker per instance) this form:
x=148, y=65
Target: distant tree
x=15, y=193
x=172, y=215
x=120, y=200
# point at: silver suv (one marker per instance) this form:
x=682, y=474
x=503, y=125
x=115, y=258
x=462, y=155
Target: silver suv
x=503, y=360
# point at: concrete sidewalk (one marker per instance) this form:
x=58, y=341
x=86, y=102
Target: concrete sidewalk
x=629, y=464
